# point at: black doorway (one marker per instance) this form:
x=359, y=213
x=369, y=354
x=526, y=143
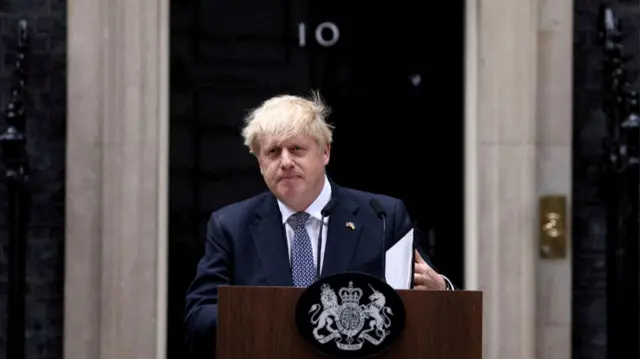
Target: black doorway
x=394, y=81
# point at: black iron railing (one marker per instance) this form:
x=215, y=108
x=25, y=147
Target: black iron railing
x=620, y=190
x=16, y=175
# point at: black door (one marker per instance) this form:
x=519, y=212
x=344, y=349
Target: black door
x=392, y=74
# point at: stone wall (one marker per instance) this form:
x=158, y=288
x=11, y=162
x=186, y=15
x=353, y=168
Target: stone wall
x=553, y=172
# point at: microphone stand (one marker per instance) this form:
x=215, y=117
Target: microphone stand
x=16, y=176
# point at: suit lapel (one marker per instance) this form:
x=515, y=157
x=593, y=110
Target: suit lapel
x=342, y=239
x=271, y=243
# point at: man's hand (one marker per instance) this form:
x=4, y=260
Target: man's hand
x=424, y=277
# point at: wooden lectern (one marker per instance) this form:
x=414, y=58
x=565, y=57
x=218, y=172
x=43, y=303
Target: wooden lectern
x=259, y=322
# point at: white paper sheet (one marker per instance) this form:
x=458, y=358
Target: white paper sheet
x=399, y=262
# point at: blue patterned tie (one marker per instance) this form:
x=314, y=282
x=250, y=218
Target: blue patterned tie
x=302, y=266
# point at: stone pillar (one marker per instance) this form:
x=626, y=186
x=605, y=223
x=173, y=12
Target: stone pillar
x=500, y=171
x=117, y=163
x=554, y=170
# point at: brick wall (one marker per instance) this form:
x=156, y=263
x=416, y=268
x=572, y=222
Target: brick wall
x=590, y=231
x=46, y=149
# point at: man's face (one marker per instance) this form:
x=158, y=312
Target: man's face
x=293, y=168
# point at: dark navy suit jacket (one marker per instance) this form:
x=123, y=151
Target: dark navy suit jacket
x=246, y=245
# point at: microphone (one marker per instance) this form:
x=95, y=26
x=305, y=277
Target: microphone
x=382, y=215
x=326, y=212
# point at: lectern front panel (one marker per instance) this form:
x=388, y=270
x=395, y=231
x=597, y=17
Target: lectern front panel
x=259, y=322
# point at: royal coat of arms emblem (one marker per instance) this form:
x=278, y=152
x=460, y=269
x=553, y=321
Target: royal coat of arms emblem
x=346, y=321
x=350, y=315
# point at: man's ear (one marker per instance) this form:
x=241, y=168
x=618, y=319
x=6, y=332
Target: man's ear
x=327, y=154
x=259, y=163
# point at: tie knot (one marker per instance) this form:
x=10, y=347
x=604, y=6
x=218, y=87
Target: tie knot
x=299, y=219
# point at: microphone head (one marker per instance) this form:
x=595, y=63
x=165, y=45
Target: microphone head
x=326, y=211
x=377, y=208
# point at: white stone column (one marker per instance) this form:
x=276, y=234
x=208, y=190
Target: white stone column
x=554, y=170
x=117, y=163
x=500, y=171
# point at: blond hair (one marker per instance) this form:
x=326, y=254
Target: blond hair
x=287, y=116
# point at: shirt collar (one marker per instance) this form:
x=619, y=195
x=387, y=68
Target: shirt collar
x=315, y=208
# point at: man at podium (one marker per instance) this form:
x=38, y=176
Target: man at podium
x=305, y=227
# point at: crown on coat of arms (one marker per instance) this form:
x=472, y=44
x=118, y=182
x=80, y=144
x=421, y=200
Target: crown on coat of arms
x=350, y=294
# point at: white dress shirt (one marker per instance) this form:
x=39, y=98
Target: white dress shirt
x=313, y=224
